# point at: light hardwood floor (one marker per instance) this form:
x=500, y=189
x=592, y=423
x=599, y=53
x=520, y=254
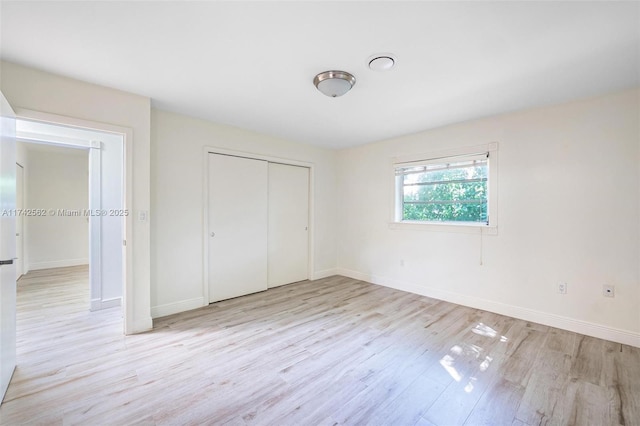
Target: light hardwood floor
x=327, y=352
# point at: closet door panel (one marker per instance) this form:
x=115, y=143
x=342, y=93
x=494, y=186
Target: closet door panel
x=238, y=225
x=288, y=224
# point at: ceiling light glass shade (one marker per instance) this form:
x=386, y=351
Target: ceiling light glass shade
x=334, y=83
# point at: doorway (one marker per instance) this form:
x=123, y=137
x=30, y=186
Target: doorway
x=103, y=212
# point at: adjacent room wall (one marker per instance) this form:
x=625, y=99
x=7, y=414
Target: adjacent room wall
x=27, y=88
x=177, y=201
x=58, y=179
x=568, y=211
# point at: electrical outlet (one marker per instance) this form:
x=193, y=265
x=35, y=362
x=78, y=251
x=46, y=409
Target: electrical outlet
x=608, y=290
x=401, y=262
x=562, y=288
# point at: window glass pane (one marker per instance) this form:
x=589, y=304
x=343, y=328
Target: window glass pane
x=447, y=192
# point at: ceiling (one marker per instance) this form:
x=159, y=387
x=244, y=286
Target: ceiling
x=251, y=64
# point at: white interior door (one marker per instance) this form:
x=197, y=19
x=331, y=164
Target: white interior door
x=19, y=221
x=237, y=226
x=288, y=224
x=7, y=245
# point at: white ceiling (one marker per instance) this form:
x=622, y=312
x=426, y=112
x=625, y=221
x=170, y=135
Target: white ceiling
x=251, y=65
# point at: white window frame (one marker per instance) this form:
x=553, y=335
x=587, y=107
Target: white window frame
x=490, y=228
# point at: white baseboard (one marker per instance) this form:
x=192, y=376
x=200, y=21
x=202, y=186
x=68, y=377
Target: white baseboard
x=99, y=304
x=317, y=275
x=177, y=307
x=57, y=264
x=138, y=325
x=578, y=326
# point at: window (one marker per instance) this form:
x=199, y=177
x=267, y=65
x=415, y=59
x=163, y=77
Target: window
x=445, y=189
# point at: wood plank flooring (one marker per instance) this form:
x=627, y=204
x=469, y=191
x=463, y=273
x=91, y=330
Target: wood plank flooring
x=336, y=351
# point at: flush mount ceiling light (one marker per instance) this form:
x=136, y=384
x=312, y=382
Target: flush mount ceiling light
x=381, y=62
x=334, y=83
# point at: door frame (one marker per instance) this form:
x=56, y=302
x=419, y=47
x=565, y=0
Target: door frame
x=20, y=255
x=8, y=304
x=127, y=171
x=205, y=202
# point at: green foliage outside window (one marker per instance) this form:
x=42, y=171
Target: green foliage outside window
x=455, y=192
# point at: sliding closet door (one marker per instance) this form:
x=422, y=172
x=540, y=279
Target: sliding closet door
x=288, y=224
x=238, y=223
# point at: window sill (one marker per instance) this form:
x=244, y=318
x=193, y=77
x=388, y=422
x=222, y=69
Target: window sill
x=460, y=228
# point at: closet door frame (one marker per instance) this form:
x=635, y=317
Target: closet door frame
x=205, y=197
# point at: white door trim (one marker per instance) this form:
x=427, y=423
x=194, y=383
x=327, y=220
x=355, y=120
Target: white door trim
x=127, y=135
x=205, y=202
x=8, y=336
x=20, y=264
x=95, y=225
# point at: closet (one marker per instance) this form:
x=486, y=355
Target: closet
x=258, y=218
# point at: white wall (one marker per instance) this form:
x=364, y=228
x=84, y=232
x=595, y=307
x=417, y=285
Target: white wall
x=58, y=179
x=568, y=210
x=177, y=200
x=27, y=88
